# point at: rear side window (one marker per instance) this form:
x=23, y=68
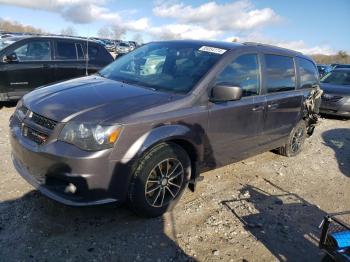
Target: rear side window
x=93, y=52
x=66, y=50
x=308, y=73
x=80, y=52
x=34, y=51
x=280, y=73
x=242, y=72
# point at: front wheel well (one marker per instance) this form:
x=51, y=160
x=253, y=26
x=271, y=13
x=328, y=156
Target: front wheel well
x=193, y=155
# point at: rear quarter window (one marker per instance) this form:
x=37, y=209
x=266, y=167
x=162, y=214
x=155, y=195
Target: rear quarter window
x=308, y=73
x=99, y=53
x=280, y=73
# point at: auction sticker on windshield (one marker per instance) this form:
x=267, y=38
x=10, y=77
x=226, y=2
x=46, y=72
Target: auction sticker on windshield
x=214, y=50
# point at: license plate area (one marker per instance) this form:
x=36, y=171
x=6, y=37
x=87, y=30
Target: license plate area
x=34, y=135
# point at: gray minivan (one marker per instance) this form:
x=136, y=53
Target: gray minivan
x=144, y=128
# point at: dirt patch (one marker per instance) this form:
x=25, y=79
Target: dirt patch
x=264, y=208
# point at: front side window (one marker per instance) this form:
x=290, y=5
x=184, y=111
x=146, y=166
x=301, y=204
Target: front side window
x=242, y=72
x=308, y=73
x=171, y=67
x=280, y=73
x=66, y=51
x=34, y=51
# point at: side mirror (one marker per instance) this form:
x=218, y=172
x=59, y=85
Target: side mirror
x=223, y=92
x=11, y=58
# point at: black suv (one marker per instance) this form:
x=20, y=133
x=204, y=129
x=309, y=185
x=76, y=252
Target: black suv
x=28, y=62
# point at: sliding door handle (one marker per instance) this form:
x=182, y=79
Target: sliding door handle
x=258, y=108
x=272, y=106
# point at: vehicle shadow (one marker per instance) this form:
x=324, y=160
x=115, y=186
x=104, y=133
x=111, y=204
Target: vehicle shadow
x=8, y=104
x=285, y=223
x=339, y=140
x=34, y=228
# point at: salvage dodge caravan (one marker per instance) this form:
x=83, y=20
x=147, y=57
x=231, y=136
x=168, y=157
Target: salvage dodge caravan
x=143, y=129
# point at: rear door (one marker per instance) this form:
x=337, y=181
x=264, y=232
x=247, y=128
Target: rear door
x=283, y=99
x=33, y=68
x=235, y=126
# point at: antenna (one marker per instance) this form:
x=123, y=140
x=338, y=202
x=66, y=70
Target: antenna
x=87, y=57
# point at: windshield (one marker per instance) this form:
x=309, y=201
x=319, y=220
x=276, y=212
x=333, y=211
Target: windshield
x=173, y=67
x=123, y=44
x=5, y=42
x=337, y=78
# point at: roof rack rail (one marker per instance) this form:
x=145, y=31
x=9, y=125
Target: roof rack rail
x=267, y=45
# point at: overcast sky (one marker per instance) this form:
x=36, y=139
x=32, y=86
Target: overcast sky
x=320, y=26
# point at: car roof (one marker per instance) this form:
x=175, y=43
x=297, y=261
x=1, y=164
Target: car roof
x=217, y=44
x=341, y=69
x=235, y=45
x=18, y=38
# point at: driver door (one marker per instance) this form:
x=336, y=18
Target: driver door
x=235, y=126
x=31, y=67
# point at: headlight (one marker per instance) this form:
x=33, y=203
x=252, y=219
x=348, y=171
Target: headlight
x=90, y=137
x=20, y=110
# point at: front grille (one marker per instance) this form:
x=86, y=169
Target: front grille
x=34, y=135
x=33, y=126
x=43, y=121
x=331, y=98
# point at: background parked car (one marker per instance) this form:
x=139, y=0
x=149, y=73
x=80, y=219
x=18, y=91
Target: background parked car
x=29, y=62
x=337, y=66
x=122, y=48
x=336, y=96
x=323, y=69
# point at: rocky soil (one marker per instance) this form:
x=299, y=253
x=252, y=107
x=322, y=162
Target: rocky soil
x=265, y=208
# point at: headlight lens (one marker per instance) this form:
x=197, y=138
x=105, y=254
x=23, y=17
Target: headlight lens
x=20, y=110
x=90, y=137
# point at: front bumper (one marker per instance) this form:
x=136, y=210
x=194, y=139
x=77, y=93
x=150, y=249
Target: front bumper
x=56, y=167
x=336, y=108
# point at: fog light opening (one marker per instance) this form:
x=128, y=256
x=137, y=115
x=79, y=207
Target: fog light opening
x=70, y=189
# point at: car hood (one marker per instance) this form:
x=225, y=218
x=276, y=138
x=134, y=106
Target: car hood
x=92, y=98
x=335, y=89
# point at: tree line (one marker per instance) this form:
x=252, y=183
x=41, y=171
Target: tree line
x=340, y=58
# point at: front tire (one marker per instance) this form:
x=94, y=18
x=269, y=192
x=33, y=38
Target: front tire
x=295, y=141
x=159, y=180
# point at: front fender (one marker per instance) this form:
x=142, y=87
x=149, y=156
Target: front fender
x=192, y=134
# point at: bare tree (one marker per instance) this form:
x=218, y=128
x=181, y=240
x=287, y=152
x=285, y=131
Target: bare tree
x=138, y=38
x=69, y=30
x=341, y=57
x=118, y=32
x=14, y=26
x=105, y=32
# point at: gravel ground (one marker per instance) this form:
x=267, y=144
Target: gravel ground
x=265, y=208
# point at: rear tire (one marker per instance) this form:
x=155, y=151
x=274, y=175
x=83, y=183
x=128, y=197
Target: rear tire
x=295, y=141
x=159, y=180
